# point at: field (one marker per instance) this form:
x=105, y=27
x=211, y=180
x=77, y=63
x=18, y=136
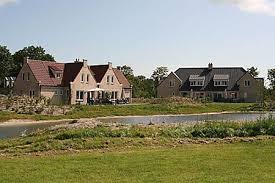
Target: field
x=237, y=162
x=139, y=109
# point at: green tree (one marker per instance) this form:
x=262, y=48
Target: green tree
x=6, y=62
x=253, y=71
x=271, y=78
x=159, y=74
x=126, y=70
x=33, y=52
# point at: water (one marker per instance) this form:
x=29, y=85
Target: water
x=9, y=130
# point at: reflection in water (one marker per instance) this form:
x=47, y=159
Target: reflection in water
x=23, y=129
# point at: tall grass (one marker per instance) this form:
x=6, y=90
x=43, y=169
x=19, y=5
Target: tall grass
x=203, y=130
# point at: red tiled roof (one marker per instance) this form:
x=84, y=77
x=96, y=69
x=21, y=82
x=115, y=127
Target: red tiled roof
x=41, y=72
x=121, y=78
x=99, y=71
x=55, y=68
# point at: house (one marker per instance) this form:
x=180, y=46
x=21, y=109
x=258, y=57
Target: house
x=213, y=83
x=8, y=82
x=71, y=83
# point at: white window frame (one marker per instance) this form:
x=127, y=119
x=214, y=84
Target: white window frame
x=58, y=75
x=61, y=92
x=78, y=95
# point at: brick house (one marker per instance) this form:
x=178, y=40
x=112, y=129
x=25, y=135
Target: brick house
x=232, y=84
x=70, y=83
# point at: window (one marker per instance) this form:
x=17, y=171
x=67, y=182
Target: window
x=88, y=77
x=79, y=95
x=32, y=93
x=58, y=75
x=56, y=92
x=247, y=83
x=197, y=83
x=172, y=83
x=221, y=83
x=68, y=93
x=108, y=79
x=28, y=76
x=173, y=94
x=61, y=92
x=112, y=79
x=23, y=76
x=82, y=78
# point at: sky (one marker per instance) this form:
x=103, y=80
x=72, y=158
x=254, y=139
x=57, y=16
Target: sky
x=145, y=34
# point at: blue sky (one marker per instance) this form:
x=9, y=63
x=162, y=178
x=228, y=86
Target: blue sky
x=145, y=34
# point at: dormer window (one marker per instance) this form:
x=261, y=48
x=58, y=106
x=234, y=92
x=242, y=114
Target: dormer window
x=56, y=71
x=58, y=75
x=221, y=80
x=196, y=80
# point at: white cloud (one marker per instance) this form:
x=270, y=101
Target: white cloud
x=253, y=6
x=5, y=2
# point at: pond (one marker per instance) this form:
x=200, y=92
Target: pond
x=11, y=130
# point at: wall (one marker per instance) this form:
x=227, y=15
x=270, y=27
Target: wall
x=109, y=87
x=23, y=87
x=164, y=89
x=77, y=85
x=57, y=95
x=253, y=92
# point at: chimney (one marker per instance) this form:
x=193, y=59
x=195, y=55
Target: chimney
x=85, y=62
x=210, y=66
x=26, y=60
x=110, y=65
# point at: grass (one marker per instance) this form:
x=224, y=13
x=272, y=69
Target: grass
x=129, y=110
x=143, y=153
x=237, y=162
x=117, y=136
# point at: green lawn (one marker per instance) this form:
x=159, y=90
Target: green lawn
x=237, y=162
x=126, y=110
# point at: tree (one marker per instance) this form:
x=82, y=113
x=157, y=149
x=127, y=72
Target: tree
x=159, y=74
x=33, y=52
x=126, y=70
x=253, y=71
x=271, y=78
x=6, y=62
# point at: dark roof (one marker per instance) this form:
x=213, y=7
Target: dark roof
x=71, y=70
x=121, y=78
x=235, y=73
x=99, y=71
